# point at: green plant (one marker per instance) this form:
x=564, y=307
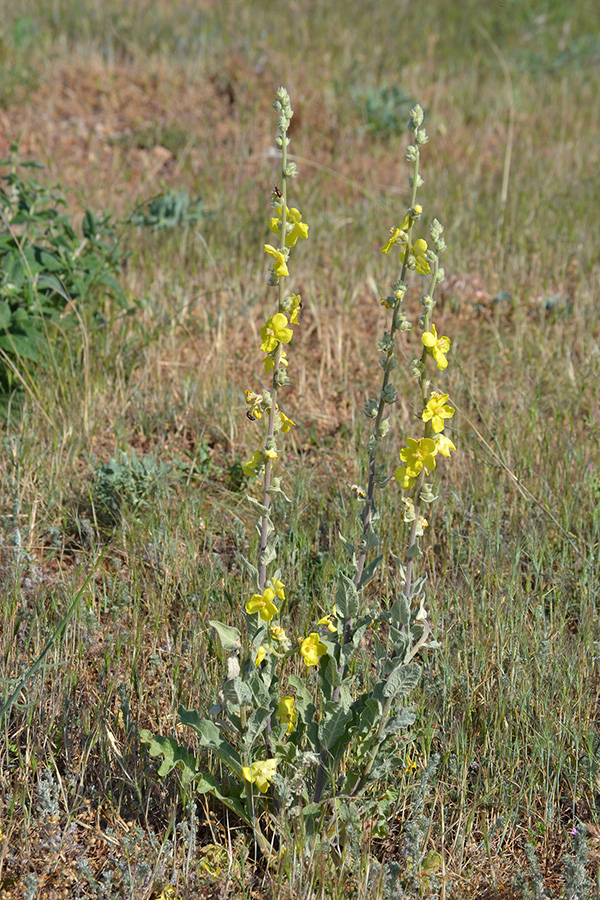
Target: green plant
x=51, y=278
x=577, y=883
x=173, y=209
x=312, y=750
x=128, y=482
x=385, y=109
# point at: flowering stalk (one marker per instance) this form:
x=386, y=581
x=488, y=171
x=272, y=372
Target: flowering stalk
x=282, y=103
x=332, y=720
x=387, y=394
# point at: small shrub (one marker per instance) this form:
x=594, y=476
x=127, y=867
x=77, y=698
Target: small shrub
x=173, y=209
x=50, y=276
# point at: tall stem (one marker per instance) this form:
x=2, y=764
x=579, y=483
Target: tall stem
x=264, y=528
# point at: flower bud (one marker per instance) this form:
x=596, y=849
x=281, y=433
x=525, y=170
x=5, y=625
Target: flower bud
x=370, y=408
x=388, y=394
x=384, y=427
x=417, y=369
x=416, y=116
x=281, y=378
x=386, y=343
x=435, y=229
x=427, y=495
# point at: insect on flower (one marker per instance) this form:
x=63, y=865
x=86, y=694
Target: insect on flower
x=250, y=416
x=277, y=192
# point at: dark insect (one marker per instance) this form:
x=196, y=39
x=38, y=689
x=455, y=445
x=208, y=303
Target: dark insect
x=250, y=416
x=277, y=192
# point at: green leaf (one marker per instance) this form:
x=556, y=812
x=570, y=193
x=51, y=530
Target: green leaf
x=413, y=551
x=25, y=346
x=405, y=718
x=370, y=539
x=346, y=598
x=418, y=585
x=304, y=700
x=237, y=691
x=260, y=692
x=334, y=724
x=369, y=715
x=258, y=507
x=275, y=488
x=5, y=314
x=400, y=611
x=268, y=554
x=329, y=676
x=48, y=261
x=369, y=572
x=256, y=725
x=89, y=226
x=212, y=739
x=350, y=548
x=251, y=570
x=53, y=284
x=173, y=755
x=230, y=637
x=402, y=679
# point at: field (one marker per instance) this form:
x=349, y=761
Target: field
x=123, y=495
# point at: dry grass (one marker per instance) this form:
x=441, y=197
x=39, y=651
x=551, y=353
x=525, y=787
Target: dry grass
x=511, y=701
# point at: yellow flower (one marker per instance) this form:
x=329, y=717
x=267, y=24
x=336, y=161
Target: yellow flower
x=436, y=411
x=418, y=455
x=411, y=766
x=168, y=893
x=298, y=229
x=278, y=587
x=278, y=634
x=406, y=481
x=312, y=648
x=261, y=773
x=422, y=524
x=326, y=620
x=270, y=361
x=292, y=305
x=409, y=511
x=275, y=331
x=263, y=604
x=438, y=347
x=270, y=454
x=255, y=465
x=253, y=400
x=418, y=251
x=286, y=713
x=444, y=444
x=280, y=265
x=398, y=235
x=286, y=423
x=260, y=655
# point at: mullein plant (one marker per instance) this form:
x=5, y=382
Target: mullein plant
x=299, y=730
